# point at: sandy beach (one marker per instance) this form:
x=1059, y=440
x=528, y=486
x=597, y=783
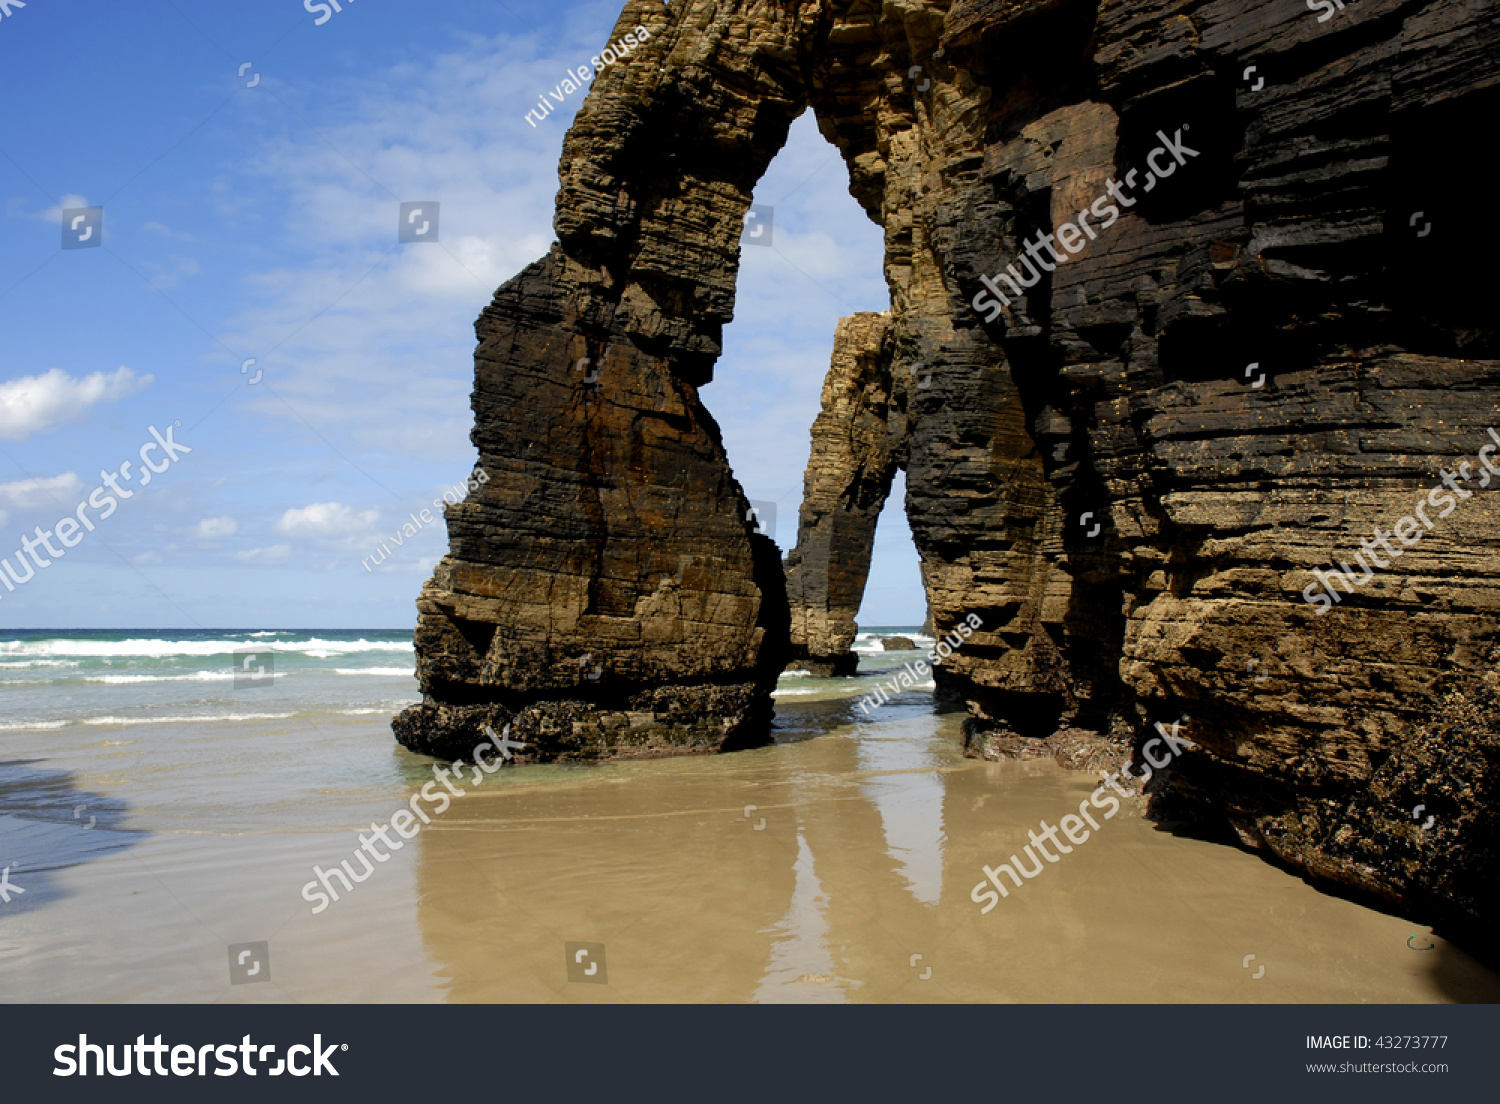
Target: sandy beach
x=813, y=871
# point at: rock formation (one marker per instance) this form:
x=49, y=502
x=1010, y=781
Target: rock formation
x=1254, y=334
x=604, y=592
x=858, y=442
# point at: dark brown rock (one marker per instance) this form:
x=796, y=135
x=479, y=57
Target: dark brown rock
x=1071, y=748
x=607, y=568
x=857, y=445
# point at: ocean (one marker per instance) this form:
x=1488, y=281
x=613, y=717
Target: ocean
x=51, y=679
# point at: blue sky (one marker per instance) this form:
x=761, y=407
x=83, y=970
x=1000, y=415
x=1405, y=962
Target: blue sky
x=259, y=222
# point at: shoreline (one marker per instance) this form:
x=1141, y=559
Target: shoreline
x=883, y=820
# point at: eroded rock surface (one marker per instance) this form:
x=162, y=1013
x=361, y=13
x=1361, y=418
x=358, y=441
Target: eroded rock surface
x=858, y=442
x=604, y=592
x=1129, y=469
x=1232, y=386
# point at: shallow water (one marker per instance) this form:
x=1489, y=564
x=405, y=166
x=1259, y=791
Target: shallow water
x=812, y=871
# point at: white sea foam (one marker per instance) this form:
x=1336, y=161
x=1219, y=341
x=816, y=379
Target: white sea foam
x=315, y=647
x=869, y=643
x=796, y=674
x=375, y=671
x=883, y=682
x=199, y=717
x=34, y=724
x=196, y=676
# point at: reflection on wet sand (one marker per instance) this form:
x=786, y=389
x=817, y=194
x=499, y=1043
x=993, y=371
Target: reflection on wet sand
x=655, y=860
x=833, y=867
x=799, y=952
x=872, y=839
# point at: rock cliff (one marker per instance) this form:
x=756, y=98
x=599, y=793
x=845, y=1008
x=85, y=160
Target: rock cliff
x=858, y=441
x=1191, y=292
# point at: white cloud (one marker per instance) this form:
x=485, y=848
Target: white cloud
x=144, y=559
x=32, y=404
x=380, y=348
x=325, y=521
x=217, y=528
x=69, y=202
x=276, y=553
x=27, y=494
x=58, y=492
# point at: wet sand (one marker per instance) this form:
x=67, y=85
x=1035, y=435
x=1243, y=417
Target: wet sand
x=859, y=854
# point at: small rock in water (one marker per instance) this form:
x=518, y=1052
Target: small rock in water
x=898, y=644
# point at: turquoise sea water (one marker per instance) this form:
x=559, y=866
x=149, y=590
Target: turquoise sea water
x=51, y=679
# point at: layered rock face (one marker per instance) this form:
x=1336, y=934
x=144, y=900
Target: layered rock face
x=604, y=592
x=1253, y=336
x=1232, y=386
x=858, y=442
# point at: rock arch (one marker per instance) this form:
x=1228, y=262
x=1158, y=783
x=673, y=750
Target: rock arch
x=1091, y=469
